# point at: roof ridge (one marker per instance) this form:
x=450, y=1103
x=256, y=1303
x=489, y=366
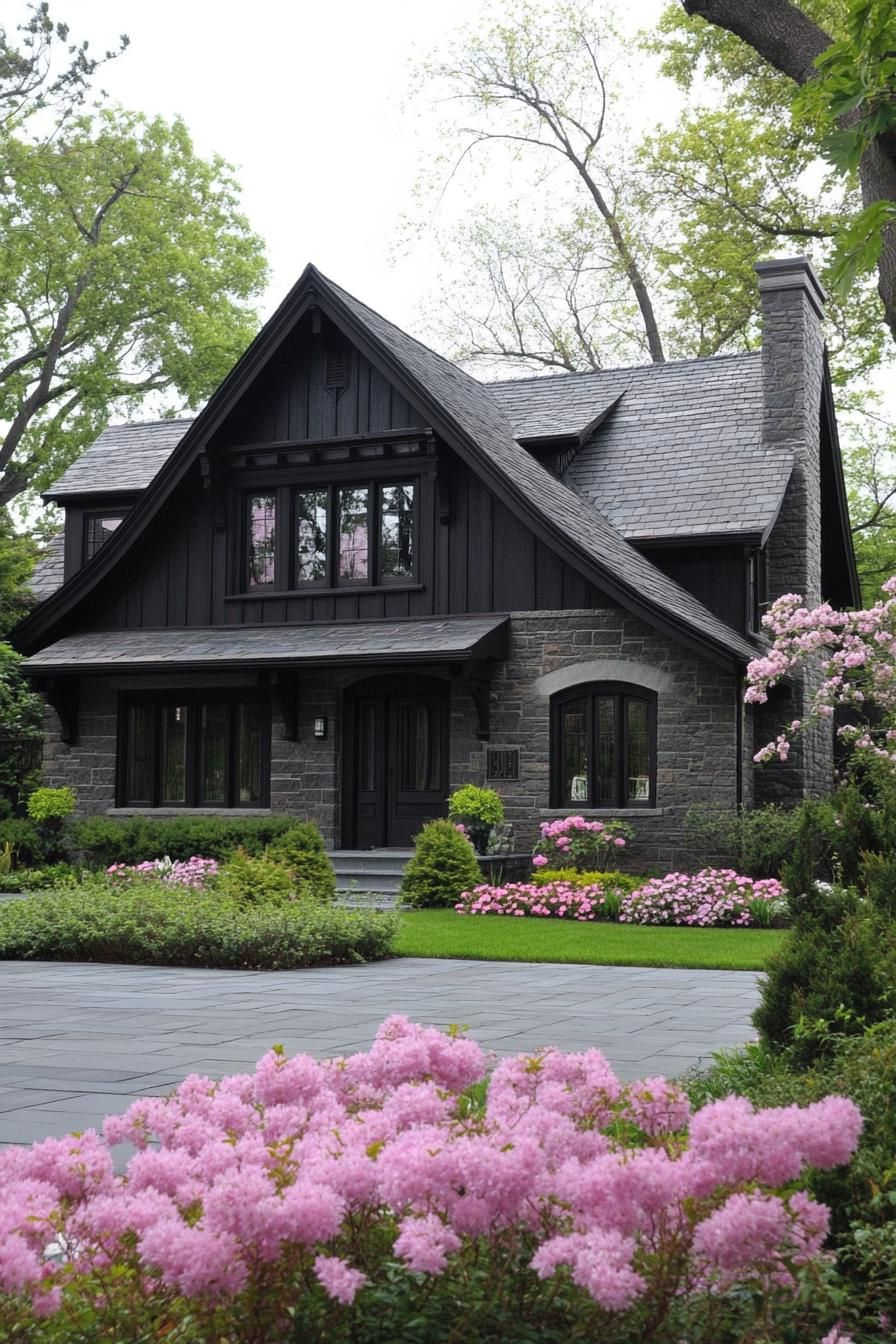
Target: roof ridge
x=616, y=368
x=161, y=420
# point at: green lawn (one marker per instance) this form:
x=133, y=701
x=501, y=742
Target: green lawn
x=442, y=933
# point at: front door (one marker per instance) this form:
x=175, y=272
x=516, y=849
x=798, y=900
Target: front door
x=396, y=761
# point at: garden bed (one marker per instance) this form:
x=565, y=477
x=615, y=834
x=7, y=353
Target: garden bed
x=442, y=933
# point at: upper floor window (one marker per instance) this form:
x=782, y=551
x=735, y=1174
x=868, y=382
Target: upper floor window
x=343, y=535
x=603, y=745
x=98, y=528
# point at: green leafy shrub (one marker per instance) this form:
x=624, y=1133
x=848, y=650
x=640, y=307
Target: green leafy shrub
x=51, y=804
x=301, y=850
x=835, y=970
x=621, y=882
x=108, y=840
x=477, y=810
x=249, y=879
x=443, y=866
x=51, y=878
x=756, y=841
x=154, y=924
x=24, y=840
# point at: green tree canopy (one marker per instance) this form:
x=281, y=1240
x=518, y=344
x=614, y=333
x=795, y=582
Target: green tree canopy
x=127, y=267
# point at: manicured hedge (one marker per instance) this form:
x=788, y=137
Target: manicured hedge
x=152, y=924
x=107, y=840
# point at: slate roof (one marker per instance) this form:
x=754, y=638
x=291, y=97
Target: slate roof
x=49, y=571
x=124, y=459
x=680, y=454
x=424, y=640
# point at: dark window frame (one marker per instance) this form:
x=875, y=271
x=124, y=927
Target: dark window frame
x=194, y=699
x=620, y=692
x=286, y=507
x=97, y=516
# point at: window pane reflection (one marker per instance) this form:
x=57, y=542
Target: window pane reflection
x=262, y=538
x=574, y=762
x=605, y=707
x=213, y=733
x=311, y=536
x=248, y=760
x=397, y=531
x=140, y=749
x=173, y=754
x=354, y=540
x=637, y=764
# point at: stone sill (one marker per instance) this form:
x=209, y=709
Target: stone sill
x=602, y=813
x=228, y=812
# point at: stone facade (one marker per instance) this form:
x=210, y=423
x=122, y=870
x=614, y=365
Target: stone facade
x=697, y=708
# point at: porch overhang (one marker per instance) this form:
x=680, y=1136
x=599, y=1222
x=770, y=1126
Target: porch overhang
x=424, y=640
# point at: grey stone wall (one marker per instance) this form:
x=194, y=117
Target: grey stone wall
x=304, y=774
x=697, y=708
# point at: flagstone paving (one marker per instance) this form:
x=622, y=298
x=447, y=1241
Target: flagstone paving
x=79, y=1041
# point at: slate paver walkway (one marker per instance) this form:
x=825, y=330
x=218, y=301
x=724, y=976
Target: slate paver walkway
x=80, y=1041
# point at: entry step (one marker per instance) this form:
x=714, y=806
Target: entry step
x=373, y=870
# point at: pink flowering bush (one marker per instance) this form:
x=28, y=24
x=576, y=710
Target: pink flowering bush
x=711, y=898
x=553, y=900
x=195, y=872
x=856, y=656
x=573, y=842
x=369, y=1198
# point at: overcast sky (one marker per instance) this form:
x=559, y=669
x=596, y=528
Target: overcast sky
x=306, y=100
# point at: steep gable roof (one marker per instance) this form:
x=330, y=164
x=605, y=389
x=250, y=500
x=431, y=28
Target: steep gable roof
x=681, y=452
x=469, y=418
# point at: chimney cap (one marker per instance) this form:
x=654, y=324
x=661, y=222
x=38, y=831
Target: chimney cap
x=792, y=273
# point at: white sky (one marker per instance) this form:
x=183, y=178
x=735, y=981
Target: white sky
x=306, y=100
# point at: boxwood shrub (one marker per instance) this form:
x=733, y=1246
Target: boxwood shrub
x=107, y=840
x=152, y=924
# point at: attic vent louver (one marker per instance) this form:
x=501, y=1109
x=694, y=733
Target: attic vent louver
x=337, y=369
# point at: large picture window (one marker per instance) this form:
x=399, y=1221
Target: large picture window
x=603, y=743
x=193, y=751
x=338, y=536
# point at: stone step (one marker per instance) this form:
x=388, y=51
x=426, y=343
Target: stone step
x=373, y=870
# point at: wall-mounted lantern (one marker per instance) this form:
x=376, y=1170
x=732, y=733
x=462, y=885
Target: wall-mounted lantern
x=320, y=727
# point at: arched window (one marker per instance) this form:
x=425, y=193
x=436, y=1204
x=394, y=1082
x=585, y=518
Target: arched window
x=603, y=746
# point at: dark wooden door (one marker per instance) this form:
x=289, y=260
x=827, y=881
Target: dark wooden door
x=397, y=763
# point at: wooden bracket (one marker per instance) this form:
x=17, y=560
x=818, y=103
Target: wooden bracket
x=480, y=690
x=62, y=695
x=285, y=693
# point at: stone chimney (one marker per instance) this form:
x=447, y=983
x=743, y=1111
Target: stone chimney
x=792, y=372
x=792, y=369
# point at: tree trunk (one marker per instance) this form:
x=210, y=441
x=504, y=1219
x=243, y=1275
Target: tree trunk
x=789, y=41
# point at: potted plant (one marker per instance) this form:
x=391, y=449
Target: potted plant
x=477, y=810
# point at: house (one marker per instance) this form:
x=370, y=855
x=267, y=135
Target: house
x=360, y=577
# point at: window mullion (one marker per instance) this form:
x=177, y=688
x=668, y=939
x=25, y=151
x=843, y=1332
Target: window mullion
x=621, y=735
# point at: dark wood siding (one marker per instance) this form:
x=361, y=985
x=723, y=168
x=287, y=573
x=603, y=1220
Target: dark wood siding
x=717, y=575
x=473, y=554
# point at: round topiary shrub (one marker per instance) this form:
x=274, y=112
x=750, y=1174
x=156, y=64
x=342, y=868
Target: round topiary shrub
x=444, y=865
x=301, y=851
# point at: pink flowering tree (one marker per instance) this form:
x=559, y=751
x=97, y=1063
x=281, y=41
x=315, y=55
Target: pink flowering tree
x=853, y=654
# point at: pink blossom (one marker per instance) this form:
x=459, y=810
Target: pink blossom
x=338, y=1277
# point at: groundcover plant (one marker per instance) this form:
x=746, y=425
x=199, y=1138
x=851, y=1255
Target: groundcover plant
x=349, y=1198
